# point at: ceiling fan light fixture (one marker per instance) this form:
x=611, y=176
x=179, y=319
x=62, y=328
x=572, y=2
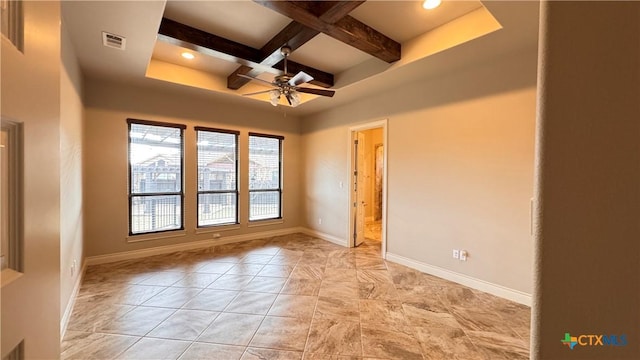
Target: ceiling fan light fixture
x=431, y=4
x=294, y=98
x=274, y=97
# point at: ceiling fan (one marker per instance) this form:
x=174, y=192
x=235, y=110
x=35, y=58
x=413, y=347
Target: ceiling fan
x=288, y=86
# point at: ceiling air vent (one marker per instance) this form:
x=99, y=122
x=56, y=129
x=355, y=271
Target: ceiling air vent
x=113, y=40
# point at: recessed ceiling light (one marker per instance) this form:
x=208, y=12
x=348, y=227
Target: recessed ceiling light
x=187, y=55
x=431, y=4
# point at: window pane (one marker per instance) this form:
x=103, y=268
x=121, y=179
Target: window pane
x=264, y=205
x=155, y=213
x=155, y=155
x=217, y=209
x=216, y=161
x=264, y=163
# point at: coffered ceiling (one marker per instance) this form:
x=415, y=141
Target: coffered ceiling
x=345, y=45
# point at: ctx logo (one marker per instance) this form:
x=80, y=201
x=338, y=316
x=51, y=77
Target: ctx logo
x=594, y=340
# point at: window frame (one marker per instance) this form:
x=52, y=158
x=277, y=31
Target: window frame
x=236, y=191
x=130, y=193
x=280, y=139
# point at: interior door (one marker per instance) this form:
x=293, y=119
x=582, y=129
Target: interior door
x=359, y=188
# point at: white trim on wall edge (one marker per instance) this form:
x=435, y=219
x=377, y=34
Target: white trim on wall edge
x=166, y=249
x=491, y=288
x=64, y=321
x=323, y=236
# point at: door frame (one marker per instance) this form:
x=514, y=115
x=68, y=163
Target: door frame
x=351, y=168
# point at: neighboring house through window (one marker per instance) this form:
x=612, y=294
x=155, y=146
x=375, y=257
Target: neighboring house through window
x=217, y=176
x=265, y=177
x=156, y=195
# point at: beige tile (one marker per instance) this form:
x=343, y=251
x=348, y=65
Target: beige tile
x=173, y=297
x=88, y=317
x=256, y=259
x=340, y=275
x=334, y=337
x=245, y=269
x=307, y=271
x=335, y=307
x=211, y=299
x=196, y=280
x=251, y=303
x=427, y=312
x=297, y=306
x=442, y=342
x=202, y=351
x=269, y=354
x=163, y=278
x=276, y=270
x=342, y=290
x=377, y=291
x=281, y=333
x=302, y=287
x=83, y=345
x=499, y=346
x=231, y=282
x=232, y=329
x=138, y=321
x=363, y=302
x=384, y=341
x=184, y=325
x=217, y=267
x=266, y=284
x=382, y=312
x=375, y=276
x=370, y=263
x=160, y=349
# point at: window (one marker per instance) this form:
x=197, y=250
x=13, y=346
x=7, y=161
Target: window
x=156, y=195
x=265, y=177
x=217, y=176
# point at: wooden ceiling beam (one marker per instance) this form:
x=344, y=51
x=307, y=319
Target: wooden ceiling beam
x=347, y=29
x=203, y=42
x=295, y=35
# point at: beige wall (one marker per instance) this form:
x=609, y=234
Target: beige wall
x=460, y=168
x=588, y=179
x=108, y=106
x=31, y=95
x=71, y=205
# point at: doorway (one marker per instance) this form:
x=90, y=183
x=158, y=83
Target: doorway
x=368, y=172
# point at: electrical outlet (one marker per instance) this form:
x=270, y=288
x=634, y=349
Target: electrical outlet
x=319, y=221
x=216, y=236
x=463, y=255
x=456, y=254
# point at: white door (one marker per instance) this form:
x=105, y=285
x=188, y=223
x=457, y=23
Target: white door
x=359, y=189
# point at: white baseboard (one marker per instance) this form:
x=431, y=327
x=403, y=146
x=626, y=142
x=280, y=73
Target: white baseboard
x=64, y=321
x=323, y=236
x=494, y=289
x=158, y=250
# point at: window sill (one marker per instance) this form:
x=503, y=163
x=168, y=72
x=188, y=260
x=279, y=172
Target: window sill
x=215, y=229
x=258, y=223
x=156, y=236
x=8, y=276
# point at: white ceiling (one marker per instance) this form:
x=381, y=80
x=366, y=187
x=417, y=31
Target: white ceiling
x=427, y=37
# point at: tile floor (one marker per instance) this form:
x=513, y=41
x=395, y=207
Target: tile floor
x=287, y=297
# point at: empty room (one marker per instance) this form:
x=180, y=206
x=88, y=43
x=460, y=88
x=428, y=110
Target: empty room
x=424, y=179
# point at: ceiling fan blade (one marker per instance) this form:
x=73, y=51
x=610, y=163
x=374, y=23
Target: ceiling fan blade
x=287, y=96
x=256, y=79
x=300, y=78
x=320, y=92
x=256, y=93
